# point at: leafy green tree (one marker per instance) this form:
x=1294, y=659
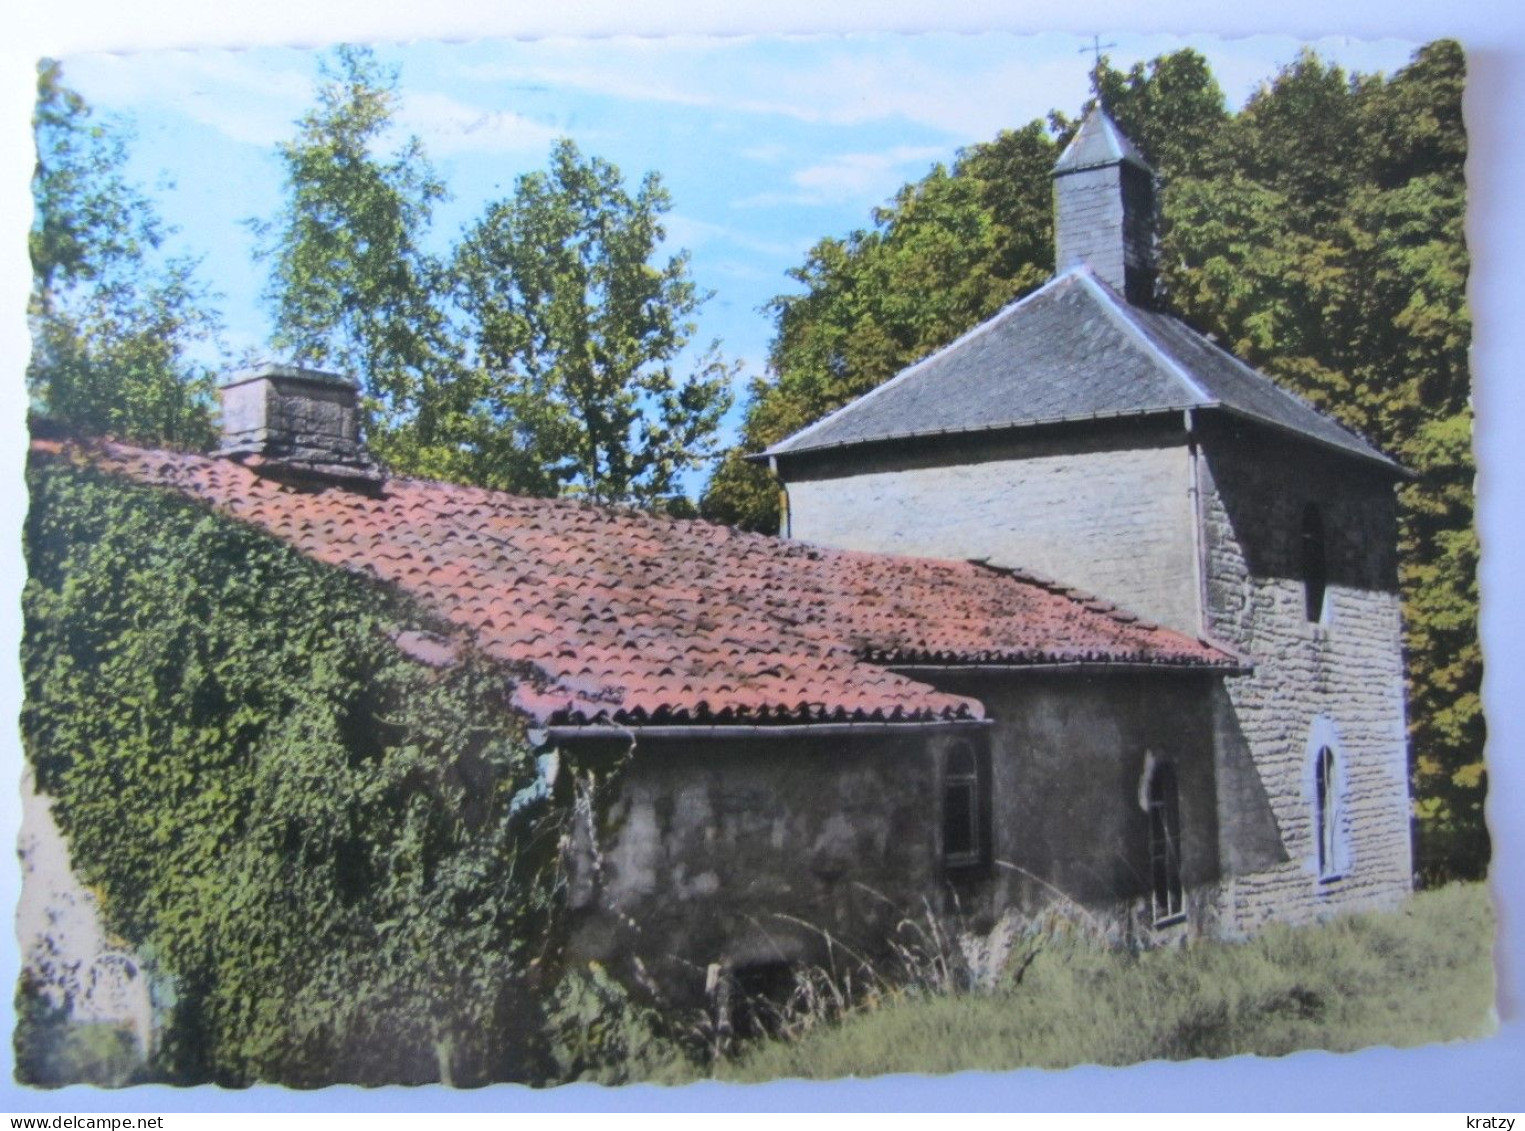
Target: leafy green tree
x=351, y=286
x=578, y=332
x=1171, y=108
x=116, y=325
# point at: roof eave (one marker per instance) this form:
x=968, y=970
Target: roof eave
x=984, y=429
x=1233, y=667
x=1372, y=458
x=562, y=732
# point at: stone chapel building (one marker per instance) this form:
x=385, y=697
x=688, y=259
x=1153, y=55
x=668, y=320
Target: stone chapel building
x=1084, y=434
x=1079, y=610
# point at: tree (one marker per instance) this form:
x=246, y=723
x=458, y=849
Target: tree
x=351, y=286
x=578, y=335
x=1171, y=108
x=115, y=323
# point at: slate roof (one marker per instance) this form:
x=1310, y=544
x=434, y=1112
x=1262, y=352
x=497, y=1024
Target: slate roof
x=629, y=618
x=1074, y=349
x=1098, y=142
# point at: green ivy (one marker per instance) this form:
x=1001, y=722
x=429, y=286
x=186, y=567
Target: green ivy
x=341, y=861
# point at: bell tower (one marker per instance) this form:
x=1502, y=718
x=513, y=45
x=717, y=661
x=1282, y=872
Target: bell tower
x=1104, y=210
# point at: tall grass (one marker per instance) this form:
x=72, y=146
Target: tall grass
x=1408, y=977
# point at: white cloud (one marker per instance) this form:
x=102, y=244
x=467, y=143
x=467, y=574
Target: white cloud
x=967, y=87
x=688, y=232
x=248, y=101
x=448, y=126
x=858, y=174
x=846, y=81
x=767, y=153
x=850, y=177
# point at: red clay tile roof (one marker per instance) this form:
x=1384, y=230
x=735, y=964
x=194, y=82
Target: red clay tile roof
x=632, y=618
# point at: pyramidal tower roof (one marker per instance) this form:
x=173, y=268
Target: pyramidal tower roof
x=1073, y=351
x=1087, y=345
x=1098, y=142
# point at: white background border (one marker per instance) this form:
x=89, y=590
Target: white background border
x=1478, y=1077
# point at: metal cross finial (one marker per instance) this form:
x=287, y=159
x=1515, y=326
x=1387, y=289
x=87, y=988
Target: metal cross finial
x=1096, y=47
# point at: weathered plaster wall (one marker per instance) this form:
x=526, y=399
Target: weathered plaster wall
x=746, y=851
x=1068, y=759
x=1339, y=681
x=1112, y=518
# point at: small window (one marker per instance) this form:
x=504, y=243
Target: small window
x=1326, y=803
x=1166, y=893
x=1315, y=563
x=966, y=823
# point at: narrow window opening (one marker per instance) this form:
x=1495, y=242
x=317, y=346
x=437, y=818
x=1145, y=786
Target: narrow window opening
x=966, y=831
x=1166, y=891
x=1315, y=563
x=1327, y=815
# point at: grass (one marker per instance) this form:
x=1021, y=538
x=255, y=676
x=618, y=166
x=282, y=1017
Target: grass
x=1410, y=977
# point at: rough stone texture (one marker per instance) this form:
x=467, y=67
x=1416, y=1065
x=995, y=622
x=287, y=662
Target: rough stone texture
x=1337, y=682
x=1122, y=521
x=306, y=419
x=1104, y=217
x=1115, y=520
x=66, y=954
x=749, y=851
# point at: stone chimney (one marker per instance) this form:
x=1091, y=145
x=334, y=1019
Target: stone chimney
x=1104, y=210
x=296, y=423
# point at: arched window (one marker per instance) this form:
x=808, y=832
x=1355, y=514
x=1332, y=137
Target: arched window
x=1326, y=813
x=1315, y=563
x=1164, y=808
x=966, y=832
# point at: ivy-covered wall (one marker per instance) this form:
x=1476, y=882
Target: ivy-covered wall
x=340, y=863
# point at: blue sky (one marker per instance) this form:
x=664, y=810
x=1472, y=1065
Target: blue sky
x=766, y=144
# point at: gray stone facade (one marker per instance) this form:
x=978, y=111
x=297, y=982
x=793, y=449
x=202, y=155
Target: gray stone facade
x=751, y=850
x=305, y=422
x=740, y=852
x=1201, y=530
x=1334, y=682
x=1109, y=514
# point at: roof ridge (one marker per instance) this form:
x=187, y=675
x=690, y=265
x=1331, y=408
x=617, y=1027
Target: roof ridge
x=1121, y=311
x=976, y=331
x=1290, y=394
x=1248, y=370
x=1095, y=603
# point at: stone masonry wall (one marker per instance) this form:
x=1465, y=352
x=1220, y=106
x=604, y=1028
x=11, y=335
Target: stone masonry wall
x=1335, y=682
x=1116, y=522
